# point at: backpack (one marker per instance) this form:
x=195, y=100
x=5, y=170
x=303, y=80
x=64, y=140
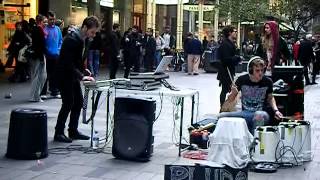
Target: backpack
x=214, y=60
x=22, y=56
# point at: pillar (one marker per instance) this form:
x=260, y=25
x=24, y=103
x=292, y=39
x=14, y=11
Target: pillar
x=216, y=21
x=62, y=8
x=94, y=8
x=179, y=24
x=154, y=11
x=200, y=30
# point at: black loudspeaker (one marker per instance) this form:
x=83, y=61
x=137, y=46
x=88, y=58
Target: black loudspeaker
x=132, y=133
x=28, y=137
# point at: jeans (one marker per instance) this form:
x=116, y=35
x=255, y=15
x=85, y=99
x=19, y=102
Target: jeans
x=157, y=57
x=252, y=118
x=38, y=77
x=94, y=62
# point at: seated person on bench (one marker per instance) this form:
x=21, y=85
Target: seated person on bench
x=256, y=92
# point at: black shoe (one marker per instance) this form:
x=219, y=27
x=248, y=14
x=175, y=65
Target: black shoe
x=313, y=83
x=62, y=138
x=308, y=83
x=78, y=135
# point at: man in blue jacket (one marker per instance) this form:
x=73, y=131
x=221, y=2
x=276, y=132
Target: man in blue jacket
x=53, y=40
x=194, y=50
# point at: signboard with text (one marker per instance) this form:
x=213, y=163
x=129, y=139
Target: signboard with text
x=184, y=172
x=189, y=7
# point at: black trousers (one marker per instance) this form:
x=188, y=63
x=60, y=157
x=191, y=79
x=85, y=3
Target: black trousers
x=225, y=88
x=114, y=64
x=127, y=64
x=149, y=62
x=51, y=79
x=72, y=102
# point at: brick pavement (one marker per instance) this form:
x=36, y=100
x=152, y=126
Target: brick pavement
x=84, y=166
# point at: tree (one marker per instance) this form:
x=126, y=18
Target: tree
x=244, y=10
x=297, y=12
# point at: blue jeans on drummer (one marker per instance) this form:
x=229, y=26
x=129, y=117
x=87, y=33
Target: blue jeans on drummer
x=94, y=62
x=253, y=119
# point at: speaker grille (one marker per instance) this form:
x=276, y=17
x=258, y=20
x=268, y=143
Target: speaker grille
x=131, y=135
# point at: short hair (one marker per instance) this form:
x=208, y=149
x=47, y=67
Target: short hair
x=135, y=27
x=115, y=26
x=39, y=18
x=227, y=30
x=255, y=61
x=51, y=14
x=91, y=22
x=150, y=30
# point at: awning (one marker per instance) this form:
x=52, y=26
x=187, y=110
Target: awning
x=170, y=2
x=285, y=26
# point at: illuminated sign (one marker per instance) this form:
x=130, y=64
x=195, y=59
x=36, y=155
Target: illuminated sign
x=106, y=3
x=196, y=7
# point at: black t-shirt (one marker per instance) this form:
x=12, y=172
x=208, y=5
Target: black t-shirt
x=254, y=95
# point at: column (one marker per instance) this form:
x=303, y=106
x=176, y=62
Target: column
x=62, y=8
x=216, y=21
x=93, y=7
x=239, y=34
x=179, y=24
x=200, y=20
x=149, y=14
x=154, y=11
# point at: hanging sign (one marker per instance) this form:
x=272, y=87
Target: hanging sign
x=196, y=7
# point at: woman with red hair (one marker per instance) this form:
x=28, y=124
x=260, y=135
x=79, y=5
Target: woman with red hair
x=273, y=48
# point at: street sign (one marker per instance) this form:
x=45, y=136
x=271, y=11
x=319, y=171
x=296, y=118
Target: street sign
x=189, y=7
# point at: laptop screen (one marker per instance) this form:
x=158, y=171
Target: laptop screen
x=165, y=61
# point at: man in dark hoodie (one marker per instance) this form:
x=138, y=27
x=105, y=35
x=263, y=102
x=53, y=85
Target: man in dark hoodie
x=70, y=71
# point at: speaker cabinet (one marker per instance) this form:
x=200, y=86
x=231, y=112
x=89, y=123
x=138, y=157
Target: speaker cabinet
x=132, y=133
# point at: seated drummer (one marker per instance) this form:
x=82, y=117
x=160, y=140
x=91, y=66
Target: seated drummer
x=256, y=93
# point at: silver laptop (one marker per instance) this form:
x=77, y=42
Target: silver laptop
x=165, y=61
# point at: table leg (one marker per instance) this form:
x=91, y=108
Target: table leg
x=92, y=99
x=108, y=114
x=181, y=124
x=192, y=109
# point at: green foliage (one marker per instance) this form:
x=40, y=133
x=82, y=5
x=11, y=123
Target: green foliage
x=297, y=12
x=244, y=10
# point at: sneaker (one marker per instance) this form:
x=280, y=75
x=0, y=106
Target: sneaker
x=58, y=96
x=36, y=100
x=44, y=97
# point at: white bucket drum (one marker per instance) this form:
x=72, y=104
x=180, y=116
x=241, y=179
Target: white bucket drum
x=305, y=150
x=267, y=139
x=288, y=150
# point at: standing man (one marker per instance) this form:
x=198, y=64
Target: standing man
x=70, y=71
x=114, y=50
x=53, y=45
x=149, y=45
x=229, y=59
x=306, y=56
x=194, y=50
x=134, y=40
x=169, y=41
